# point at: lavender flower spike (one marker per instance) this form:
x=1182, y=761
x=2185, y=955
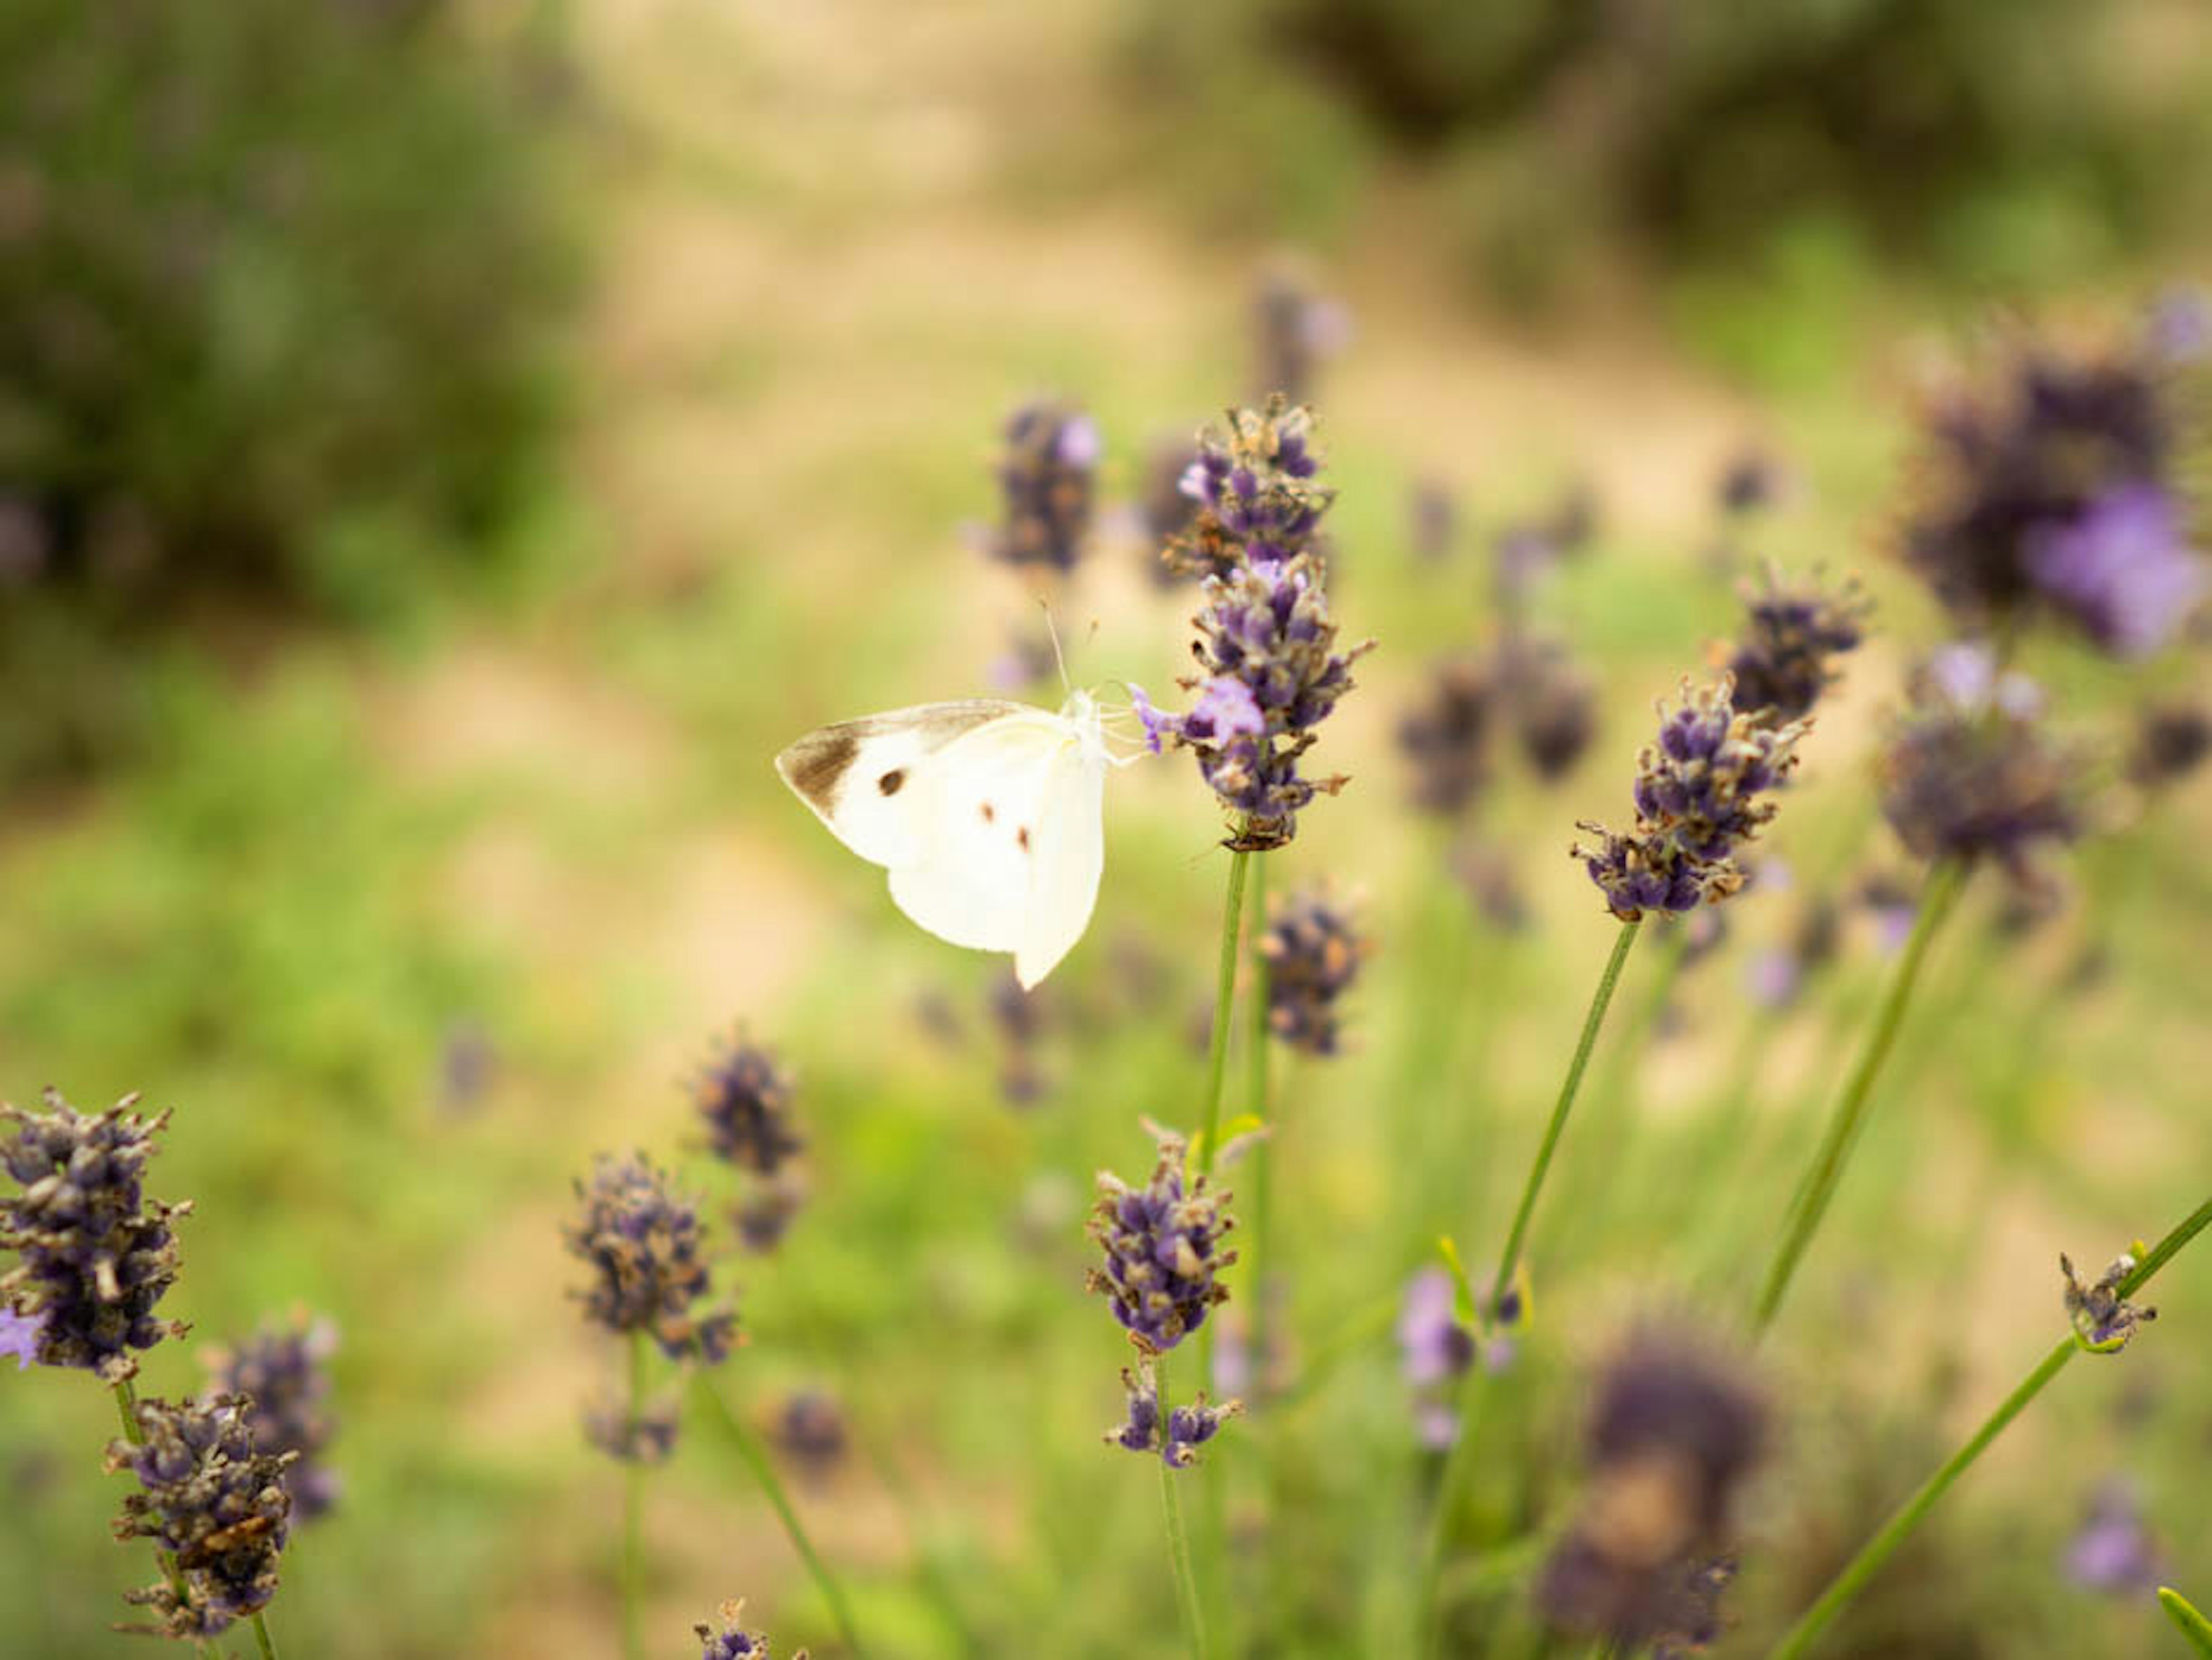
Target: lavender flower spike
x=647, y=1249
x=1187, y=1428
x=1046, y=476
x=744, y=1099
x=284, y=1370
x=1314, y=948
x=1163, y=1245
x=732, y=1642
x=2121, y=569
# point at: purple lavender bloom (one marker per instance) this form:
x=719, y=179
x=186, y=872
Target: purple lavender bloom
x=2121, y=570
x=810, y=1428
x=1792, y=633
x=1551, y=704
x=1187, y=1429
x=1264, y=625
x=20, y=1335
x=1046, y=476
x=1437, y=1347
x=733, y=1641
x=214, y=1501
x=95, y=1253
x=1446, y=737
x=743, y=1097
x=1293, y=330
x=1163, y=1245
x=284, y=1371
x=1314, y=949
x=648, y=1252
x=2114, y=1552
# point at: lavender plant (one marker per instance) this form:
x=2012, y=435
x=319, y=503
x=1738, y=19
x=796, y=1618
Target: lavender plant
x=730, y=1641
x=1047, y=474
x=283, y=1372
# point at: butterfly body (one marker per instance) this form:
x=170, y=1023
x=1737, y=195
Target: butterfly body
x=988, y=814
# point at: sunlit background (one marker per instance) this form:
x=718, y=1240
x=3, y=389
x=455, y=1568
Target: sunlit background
x=447, y=449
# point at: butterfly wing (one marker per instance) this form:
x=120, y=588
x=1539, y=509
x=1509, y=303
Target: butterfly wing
x=857, y=776
x=1071, y=853
x=985, y=803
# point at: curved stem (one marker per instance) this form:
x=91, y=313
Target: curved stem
x=1255, y=1104
x=1879, y=1549
x=1186, y=1578
x=1457, y=1464
x=1936, y=898
x=262, y=1637
x=1225, y=995
x=633, y=1556
x=756, y=1459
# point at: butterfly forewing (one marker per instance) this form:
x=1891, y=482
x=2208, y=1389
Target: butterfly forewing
x=856, y=775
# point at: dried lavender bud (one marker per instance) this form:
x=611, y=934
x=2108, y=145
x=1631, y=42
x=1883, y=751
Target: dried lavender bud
x=2170, y=743
x=809, y=1427
x=1792, y=632
x=1269, y=672
x=2056, y=490
x=1162, y=1243
x=214, y=1501
x=1969, y=773
x=732, y=1642
x=1313, y=949
x=1445, y=737
x=96, y=1255
x=1046, y=476
x=1292, y=330
x=1673, y=1435
x=646, y=1249
x=1187, y=1428
x=744, y=1097
x=1551, y=704
x=765, y=1214
x=1697, y=803
x=2114, y=1552
x=283, y=1372
x=646, y=1436
x=2104, y=1322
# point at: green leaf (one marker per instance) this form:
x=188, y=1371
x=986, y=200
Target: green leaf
x=1463, y=1303
x=2194, y=1626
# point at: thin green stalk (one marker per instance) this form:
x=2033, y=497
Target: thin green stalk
x=1225, y=995
x=261, y=1636
x=1878, y=1550
x=1937, y=899
x=1255, y=1106
x=1456, y=1466
x=1186, y=1579
x=756, y=1459
x=633, y=1556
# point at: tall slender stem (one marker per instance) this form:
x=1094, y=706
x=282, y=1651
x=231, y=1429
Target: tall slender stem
x=262, y=1637
x=1878, y=1550
x=1937, y=899
x=1256, y=1106
x=1225, y=995
x=756, y=1459
x=1186, y=1579
x=1461, y=1459
x=633, y=1556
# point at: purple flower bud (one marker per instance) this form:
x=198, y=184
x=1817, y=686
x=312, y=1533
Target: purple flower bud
x=743, y=1097
x=1046, y=479
x=732, y=1642
x=214, y=1501
x=646, y=1249
x=1313, y=949
x=2120, y=569
x=283, y=1370
x=1163, y=1246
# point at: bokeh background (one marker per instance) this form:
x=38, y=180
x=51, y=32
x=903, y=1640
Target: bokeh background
x=446, y=449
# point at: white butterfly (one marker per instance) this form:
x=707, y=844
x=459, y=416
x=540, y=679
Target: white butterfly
x=988, y=814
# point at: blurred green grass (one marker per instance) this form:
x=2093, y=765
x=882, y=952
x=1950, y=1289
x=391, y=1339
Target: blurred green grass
x=553, y=821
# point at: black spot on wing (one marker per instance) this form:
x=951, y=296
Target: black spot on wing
x=817, y=762
x=891, y=782
x=990, y=813
x=1022, y=838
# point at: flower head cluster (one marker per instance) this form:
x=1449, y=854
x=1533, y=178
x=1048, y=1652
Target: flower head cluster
x=1269, y=672
x=809, y=1426
x=1674, y=1433
x=1047, y=472
x=745, y=1099
x=212, y=1499
x=1792, y=633
x=733, y=1641
x=2105, y=1321
x=2057, y=491
x=1187, y=1428
x=1314, y=951
x=1524, y=550
x=1970, y=773
x=2172, y=741
x=648, y=1252
x=1551, y=703
x=1162, y=1243
x=283, y=1372
x=2114, y=1551
x=1698, y=802
x=1446, y=736
x=1292, y=330
x=95, y=1253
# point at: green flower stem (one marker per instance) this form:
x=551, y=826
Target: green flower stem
x=261, y=1636
x=126, y=1407
x=1459, y=1464
x=1186, y=1580
x=1255, y=1106
x=2193, y=1626
x=633, y=1549
x=1225, y=995
x=1879, y=1549
x=1937, y=899
x=756, y=1459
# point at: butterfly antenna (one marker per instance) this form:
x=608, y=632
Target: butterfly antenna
x=1058, y=656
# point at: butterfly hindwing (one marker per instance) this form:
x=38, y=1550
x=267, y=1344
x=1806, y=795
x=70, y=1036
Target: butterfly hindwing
x=1071, y=855
x=856, y=775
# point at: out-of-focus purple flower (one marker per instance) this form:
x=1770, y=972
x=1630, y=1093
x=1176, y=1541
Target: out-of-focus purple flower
x=2178, y=330
x=1045, y=472
x=1437, y=1347
x=1314, y=949
x=1293, y=331
x=2172, y=741
x=1163, y=1246
x=1751, y=480
x=284, y=1370
x=1445, y=736
x=744, y=1096
x=1894, y=911
x=809, y=1427
x=19, y=1336
x=95, y=1254
x=1551, y=703
x=766, y=1213
x=1793, y=632
x=733, y=1641
x=648, y=1253
x=1487, y=875
x=2113, y=1551
x=2121, y=569
x=1522, y=552
x=1433, y=520
x=1166, y=506
x=643, y=1434
x=215, y=1502
x=467, y=1066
